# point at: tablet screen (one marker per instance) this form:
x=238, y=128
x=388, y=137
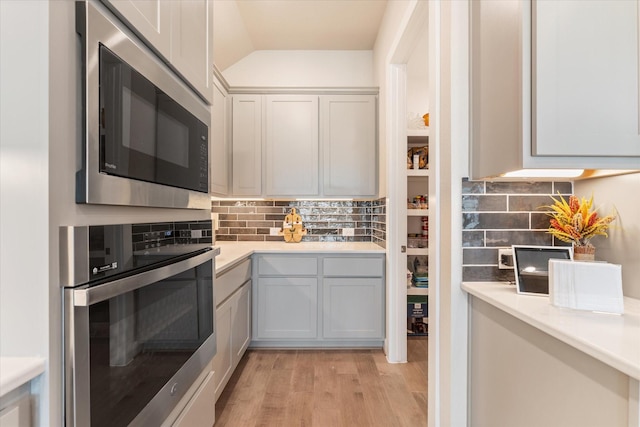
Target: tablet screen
x=531, y=265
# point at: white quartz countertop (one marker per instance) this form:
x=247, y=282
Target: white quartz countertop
x=609, y=338
x=16, y=371
x=233, y=252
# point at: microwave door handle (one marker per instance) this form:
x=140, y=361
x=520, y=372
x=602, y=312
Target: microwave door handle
x=96, y=294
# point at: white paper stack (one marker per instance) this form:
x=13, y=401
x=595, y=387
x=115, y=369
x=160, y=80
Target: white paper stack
x=595, y=286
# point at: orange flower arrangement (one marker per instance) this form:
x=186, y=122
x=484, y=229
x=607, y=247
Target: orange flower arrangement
x=575, y=222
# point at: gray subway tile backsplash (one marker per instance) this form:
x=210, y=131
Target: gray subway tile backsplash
x=473, y=202
x=519, y=187
x=480, y=256
x=153, y=235
x=472, y=187
x=495, y=220
x=247, y=220
x=529, y=203
x=495, y=215
x=500, y=214
x=506, y=238
x=562, y=187
x=472, y=239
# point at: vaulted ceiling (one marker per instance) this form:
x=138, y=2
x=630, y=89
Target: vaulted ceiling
x=243, y=26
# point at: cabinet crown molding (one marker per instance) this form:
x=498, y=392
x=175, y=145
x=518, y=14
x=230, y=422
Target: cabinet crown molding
x=264, y=90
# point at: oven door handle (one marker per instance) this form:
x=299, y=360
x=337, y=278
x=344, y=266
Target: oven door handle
x=96, y=294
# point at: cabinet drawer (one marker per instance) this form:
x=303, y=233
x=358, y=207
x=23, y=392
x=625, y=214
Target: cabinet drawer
x=353, y=267
x=281, y=265
x=231, y=280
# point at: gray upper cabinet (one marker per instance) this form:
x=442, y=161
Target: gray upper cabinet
x=586, y=78
x=291, y=144
x=219, y=151
x=313, y=145
x=349, y=145
x=180, y=31
x=247, y=145
x=554, y=84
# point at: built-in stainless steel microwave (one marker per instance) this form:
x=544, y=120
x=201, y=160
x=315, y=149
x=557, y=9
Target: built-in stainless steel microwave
x=145, y=133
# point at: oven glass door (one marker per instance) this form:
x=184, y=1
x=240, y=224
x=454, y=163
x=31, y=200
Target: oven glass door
x=139, y=339
x=145, y=134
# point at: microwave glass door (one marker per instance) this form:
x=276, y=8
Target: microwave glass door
x=145, y=134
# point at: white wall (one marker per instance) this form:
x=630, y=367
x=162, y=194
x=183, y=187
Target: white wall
x=418, y=77
x=303, y=68
x=231, y=41
x=393, y=24
x=621, y=247
x=24, y=178
x=24, y=148
x=23, y=182
x=40, y=137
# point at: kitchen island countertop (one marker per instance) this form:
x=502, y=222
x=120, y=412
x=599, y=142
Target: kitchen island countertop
x=233, y=252
x=16, y=371
x=610, y=338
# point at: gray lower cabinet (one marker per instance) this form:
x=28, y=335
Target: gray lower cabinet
x=352, y=308
x=318, y=300
x=353, y=297
x=287, y=307
x=233, y=322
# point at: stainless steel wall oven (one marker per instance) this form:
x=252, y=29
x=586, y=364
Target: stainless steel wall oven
x=138, y=322
x=146, y=134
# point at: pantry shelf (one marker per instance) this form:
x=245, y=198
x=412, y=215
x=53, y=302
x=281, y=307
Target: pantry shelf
x=417, y=212
x=417, y=172
x=418, y=132
x=417, y=251
x=417, y=291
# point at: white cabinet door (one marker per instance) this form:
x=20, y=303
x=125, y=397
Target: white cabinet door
x=349, y=145
x=291, y=157
x=287, y=308
x=241, y=327
x=247, y=145
x=233, y=322
x=191, y=43
x=585, y=70
x=201, y=409
x=223, y=360
x=180, y=31
x=18, y=413
x=150, y=18
x=219, y=147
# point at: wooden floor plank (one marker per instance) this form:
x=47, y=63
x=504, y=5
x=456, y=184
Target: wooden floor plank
x=378, y=404
x=322, y=388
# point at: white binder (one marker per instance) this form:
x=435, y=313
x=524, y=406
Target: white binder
x=595, y=286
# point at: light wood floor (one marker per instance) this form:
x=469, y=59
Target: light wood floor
x=326, y=388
